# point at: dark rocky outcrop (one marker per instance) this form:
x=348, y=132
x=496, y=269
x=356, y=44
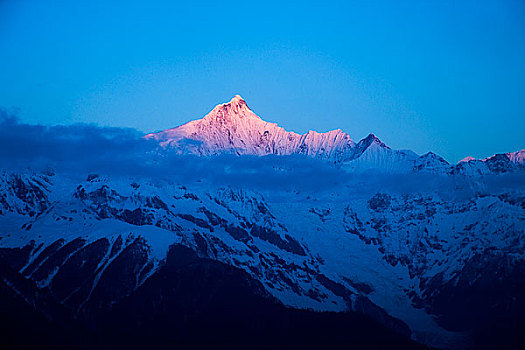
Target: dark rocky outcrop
x=486, y=298
x=190, y=302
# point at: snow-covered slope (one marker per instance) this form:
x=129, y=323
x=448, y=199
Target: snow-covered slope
x=391, y=248
x=497, y=164
x=371, y=154
x=233, y=128
x=517, y=157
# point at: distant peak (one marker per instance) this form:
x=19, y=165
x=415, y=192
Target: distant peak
x=236, y=101
x=235, y=109
x=517, y=157
x=467, y=159
x=429, y=156
x=370, y=139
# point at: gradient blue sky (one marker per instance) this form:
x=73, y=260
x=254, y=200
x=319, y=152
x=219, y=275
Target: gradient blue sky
x=442, y=76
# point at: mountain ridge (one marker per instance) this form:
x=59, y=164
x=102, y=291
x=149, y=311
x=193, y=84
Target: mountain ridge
x=233, y=128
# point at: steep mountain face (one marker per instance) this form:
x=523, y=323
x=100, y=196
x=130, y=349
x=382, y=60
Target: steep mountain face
x=517, y=157
x=233, y=128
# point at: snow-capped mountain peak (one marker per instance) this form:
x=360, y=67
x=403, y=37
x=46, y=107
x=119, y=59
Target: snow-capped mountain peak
x=517, y=157
x=235, y=108
x=370, y=140
x=467, y=159
x=233, y=127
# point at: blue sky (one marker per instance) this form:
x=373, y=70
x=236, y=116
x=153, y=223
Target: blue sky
x=442, y=76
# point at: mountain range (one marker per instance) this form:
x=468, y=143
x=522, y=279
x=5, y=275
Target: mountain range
x=232, y=128
x=346, y=245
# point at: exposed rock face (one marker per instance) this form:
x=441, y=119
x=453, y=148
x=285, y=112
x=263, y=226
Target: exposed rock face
x=189, y=302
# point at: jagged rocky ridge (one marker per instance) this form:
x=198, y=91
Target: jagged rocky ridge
x=233, y=128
